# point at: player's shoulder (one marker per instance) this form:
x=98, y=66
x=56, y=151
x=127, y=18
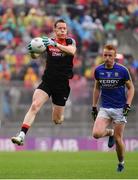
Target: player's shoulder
x=70, y=40
x=99, y=67
x=121, y=67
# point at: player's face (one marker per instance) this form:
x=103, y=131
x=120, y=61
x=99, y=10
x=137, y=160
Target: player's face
x=61, y=30
x=109, y=57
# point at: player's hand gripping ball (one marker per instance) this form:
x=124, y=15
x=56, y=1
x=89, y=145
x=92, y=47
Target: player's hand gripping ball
x=36, y=45
x=49, y=42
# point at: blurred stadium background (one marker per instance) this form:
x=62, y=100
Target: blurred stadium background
x=92, y=23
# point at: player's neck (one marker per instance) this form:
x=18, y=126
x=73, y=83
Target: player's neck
x=60, y=39
x=109, y=66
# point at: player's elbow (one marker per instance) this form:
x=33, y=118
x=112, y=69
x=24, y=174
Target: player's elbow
x=72, y=50
x=73, y=53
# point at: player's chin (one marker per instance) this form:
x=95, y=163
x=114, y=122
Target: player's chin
x=109, y=63
x=62, y=36
x=58, y=121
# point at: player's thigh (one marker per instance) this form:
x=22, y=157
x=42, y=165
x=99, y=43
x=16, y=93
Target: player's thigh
x=100, y=125
x=39, y=97
x=57, y=111
x=60, y=96
x=102, y=121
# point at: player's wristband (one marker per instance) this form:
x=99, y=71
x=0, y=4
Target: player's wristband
x=94, y=108
x=128, y=106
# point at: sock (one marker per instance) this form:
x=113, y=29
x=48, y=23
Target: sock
x=112, y=132
x=122, y=162
x=22, y=134
x=25, y=128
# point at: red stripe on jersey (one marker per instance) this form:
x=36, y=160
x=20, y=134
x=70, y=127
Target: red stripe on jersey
x=61, y=41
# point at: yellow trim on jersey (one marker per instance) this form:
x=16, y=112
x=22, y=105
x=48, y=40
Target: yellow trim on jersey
x=127, y=71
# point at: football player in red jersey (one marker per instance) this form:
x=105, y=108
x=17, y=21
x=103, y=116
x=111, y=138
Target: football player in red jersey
x=59, y=54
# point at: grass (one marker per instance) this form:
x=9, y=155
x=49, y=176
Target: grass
x=66, y=165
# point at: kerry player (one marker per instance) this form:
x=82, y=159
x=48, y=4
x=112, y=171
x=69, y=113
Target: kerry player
x=111, y=82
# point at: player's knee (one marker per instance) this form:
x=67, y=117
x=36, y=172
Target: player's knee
x=35, y=107
x=96, y=134
x=58, y=119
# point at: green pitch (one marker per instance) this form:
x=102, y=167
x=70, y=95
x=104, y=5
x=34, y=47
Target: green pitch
x=66, y=165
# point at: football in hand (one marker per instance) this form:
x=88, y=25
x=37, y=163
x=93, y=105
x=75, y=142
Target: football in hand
x=38, y=45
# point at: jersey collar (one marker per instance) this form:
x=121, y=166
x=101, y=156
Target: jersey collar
x=112, y=67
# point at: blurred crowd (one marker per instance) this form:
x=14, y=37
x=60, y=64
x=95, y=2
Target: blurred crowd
x=92, y=23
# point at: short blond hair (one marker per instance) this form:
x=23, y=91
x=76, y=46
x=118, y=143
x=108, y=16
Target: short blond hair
x=110, y=47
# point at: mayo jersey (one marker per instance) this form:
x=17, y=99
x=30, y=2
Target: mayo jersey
x=59, y=65
x=112, y=85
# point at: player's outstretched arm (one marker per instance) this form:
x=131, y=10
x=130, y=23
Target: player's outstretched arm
x=70, y=49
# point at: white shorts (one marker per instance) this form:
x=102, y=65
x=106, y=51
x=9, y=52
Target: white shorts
x=114, y=114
